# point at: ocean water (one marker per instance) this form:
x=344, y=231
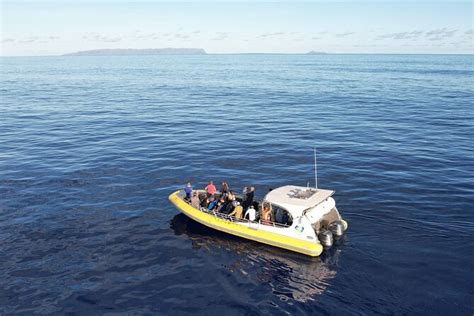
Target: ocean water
x=91, y=147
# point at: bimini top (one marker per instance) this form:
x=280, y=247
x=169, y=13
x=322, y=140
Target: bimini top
x=296, y=199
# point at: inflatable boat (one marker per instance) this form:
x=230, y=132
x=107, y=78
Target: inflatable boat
x=304, y=220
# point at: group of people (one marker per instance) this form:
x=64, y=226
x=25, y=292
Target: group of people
x=226, y=202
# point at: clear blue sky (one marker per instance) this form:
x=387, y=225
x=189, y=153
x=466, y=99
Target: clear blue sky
x=56, y=27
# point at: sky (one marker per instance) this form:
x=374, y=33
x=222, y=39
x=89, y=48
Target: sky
x=36, y=28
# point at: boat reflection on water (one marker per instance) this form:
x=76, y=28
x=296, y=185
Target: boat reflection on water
x=290, y=275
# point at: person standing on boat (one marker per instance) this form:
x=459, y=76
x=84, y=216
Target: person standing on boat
x=188, y=189
x=210, y=188
x=248, y=196
x=245, y=191
x=224, y=188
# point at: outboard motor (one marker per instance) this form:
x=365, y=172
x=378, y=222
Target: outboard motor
x=336, y=228
x=326, y=238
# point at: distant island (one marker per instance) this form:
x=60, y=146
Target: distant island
x=316, y=53
x=131, y=51
x=158, y=51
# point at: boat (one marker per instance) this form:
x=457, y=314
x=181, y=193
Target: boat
x=306, y=219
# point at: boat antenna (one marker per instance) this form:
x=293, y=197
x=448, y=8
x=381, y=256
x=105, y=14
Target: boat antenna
x=315, y=170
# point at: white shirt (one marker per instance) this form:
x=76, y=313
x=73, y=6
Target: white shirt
x=251, y=213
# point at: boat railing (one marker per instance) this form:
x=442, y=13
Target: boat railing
x=241, y=220
x=232, y=218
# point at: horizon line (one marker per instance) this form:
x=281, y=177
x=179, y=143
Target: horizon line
x=233, y=53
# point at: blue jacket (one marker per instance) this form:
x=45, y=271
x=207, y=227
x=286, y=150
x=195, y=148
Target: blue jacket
x=188, y=191
x=212, y=205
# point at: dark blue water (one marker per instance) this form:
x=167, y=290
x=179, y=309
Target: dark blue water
x=91, y=147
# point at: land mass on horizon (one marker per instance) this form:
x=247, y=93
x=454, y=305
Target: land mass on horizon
x=160, y=51
x=132, y=51
x=312, y=52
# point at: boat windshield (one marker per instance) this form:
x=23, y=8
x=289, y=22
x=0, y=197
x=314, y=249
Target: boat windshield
x=282, y=216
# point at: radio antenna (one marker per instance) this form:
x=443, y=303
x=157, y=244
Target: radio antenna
x=315, y=170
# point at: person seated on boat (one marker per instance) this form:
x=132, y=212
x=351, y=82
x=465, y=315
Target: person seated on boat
x=230, y=205
x=237, y=212
x=256, y=206
x=224, y=189
x=248, y=196
x=195, y=200
x=212, y=203
x=231, y=199
x=250, y=213
x=188, y=189
x=266, y=215
x=221, y=205
x=230, y=196
x=286, y=219
x=279, y=216
x=258, y=210
x=210, y=189
x=205, y=202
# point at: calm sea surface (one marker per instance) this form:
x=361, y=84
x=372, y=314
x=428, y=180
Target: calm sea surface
x=91, y=147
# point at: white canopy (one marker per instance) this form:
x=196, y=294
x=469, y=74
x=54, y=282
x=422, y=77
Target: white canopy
x=296, y=199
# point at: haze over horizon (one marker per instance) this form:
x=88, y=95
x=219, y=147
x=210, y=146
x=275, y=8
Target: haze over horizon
x=54, y=28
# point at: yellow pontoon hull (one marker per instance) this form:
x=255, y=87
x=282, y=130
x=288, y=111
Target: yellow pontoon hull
x=305, y=247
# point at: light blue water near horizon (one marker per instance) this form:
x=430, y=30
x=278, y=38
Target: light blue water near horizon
x=91, y=147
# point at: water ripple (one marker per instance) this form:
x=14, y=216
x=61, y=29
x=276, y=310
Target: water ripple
x=90, y=150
